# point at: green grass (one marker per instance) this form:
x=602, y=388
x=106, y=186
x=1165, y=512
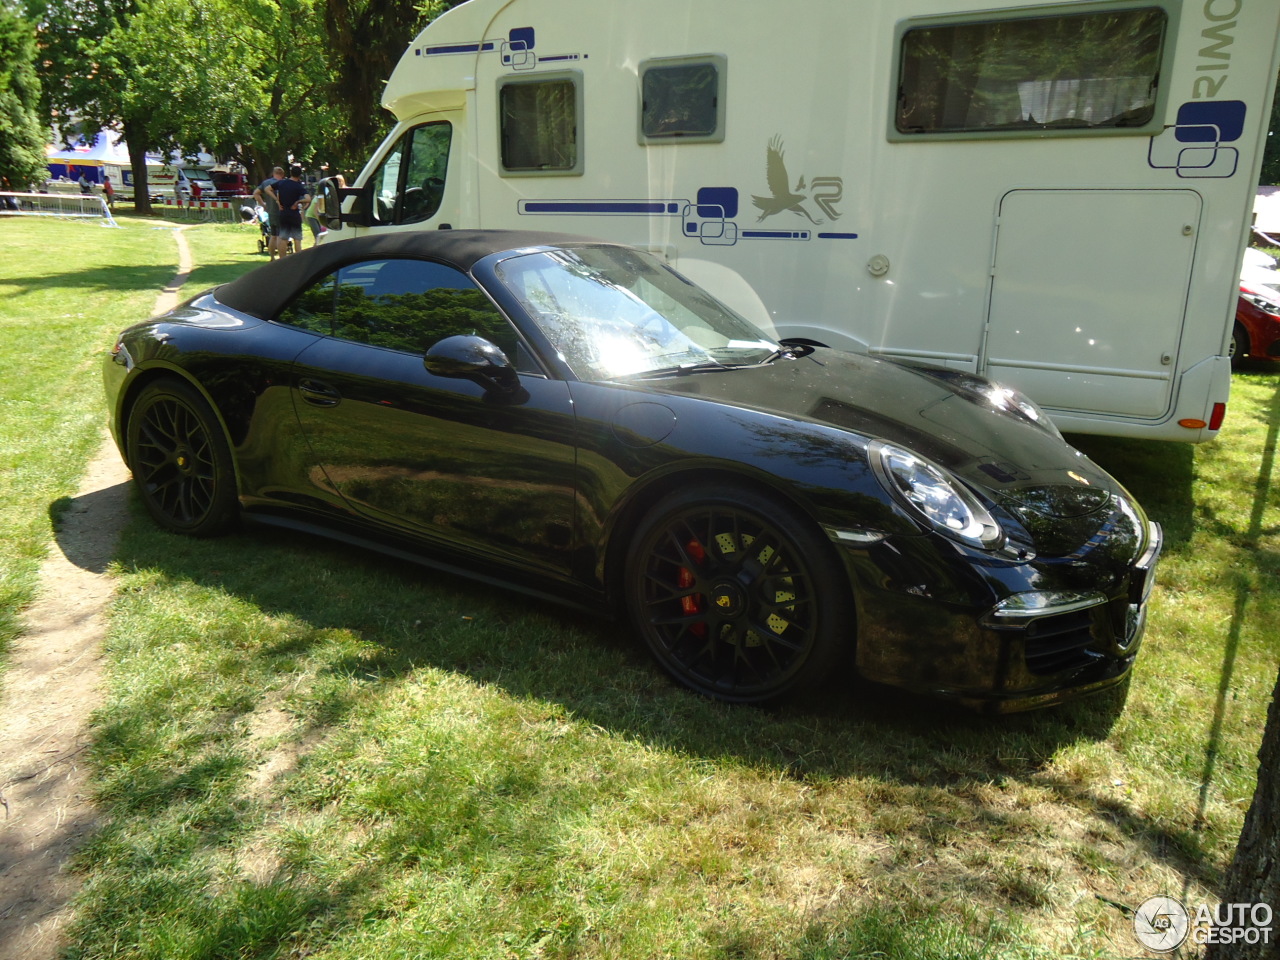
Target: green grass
x=66, y=288
x=312, y=752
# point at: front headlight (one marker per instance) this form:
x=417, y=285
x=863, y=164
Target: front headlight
x=1261, y=301
x=930, y=492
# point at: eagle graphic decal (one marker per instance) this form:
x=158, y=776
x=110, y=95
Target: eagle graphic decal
x=780, y=186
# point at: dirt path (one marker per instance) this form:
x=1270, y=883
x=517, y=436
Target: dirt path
x=48, y=693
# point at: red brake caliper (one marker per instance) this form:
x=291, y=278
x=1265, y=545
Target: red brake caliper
x=692, y=604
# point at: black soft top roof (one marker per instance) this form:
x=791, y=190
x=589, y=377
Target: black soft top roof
x=264, y=292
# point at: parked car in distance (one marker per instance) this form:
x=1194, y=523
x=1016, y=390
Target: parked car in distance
x=1256, y=334
x=229, y=184
x=575, y=420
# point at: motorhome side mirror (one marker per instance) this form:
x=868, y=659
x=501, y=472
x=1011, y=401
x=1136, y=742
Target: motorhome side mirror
x=333, y=193
x=475, y=359
x=331, y=203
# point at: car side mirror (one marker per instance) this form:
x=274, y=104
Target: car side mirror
x=475, y=359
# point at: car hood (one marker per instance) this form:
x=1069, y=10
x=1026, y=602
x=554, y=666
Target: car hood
x=1017, y=463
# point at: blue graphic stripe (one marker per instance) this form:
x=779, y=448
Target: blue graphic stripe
x=776, y=234
x=458, y=48
x=837, y=236
x=633, y=207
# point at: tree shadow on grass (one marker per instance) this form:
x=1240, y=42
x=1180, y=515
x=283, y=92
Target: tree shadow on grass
x=97, y=279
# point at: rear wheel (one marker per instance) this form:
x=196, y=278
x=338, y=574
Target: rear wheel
x=738, y=596
x=1238, y=348
x=181, y=461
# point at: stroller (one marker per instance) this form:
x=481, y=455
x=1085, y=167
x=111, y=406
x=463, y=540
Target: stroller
x=256, y=214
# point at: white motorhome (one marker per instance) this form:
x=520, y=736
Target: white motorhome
x=1053, y=195
x=161, y=178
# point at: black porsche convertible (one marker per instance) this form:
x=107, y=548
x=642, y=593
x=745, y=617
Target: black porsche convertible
x=576, y=420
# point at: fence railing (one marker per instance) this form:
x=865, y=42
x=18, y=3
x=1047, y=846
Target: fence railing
x=224, y=210
x=56, y=205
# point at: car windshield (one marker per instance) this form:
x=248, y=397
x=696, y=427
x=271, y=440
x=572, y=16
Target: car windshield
x=615, y=312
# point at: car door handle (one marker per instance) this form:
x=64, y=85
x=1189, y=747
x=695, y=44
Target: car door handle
x=318, y=393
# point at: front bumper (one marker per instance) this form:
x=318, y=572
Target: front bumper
x=1050, y=642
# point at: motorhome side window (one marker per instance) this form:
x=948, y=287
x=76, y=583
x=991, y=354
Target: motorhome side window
x=682, y=99
x=1080, y=72
x=408, y=185
x=540, y=122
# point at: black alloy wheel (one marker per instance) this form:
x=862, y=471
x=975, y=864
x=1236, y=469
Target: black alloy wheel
x=181, y=461
x=738, y=596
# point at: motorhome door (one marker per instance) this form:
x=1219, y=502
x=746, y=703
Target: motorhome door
x=1077, y=320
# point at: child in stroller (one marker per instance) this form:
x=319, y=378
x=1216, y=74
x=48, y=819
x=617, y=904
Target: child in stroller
x=258, y=214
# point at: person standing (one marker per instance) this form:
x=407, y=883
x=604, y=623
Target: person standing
x=291, y=195
x=110, y=192
x=268, y=203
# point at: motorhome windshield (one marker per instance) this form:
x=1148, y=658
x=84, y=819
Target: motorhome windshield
x=612, y=312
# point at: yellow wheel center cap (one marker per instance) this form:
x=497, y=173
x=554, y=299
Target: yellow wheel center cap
x=182, y=461
x=729, y=599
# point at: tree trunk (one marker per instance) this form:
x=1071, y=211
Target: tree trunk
x=134, y=136
x=1254, y=875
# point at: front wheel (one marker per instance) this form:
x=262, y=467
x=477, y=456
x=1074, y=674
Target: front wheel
x=181, y=461
x=738, y=596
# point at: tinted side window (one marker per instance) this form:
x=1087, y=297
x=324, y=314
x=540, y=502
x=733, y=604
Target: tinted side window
x=682, y=99
x=410, y=305
x=408, y=185
x=313, y=308
x=1072, y=72
x=428, y=162
x=385, y=184
x=539, y=125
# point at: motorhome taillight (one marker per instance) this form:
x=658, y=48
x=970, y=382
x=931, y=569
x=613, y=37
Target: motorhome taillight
x=1215, y=419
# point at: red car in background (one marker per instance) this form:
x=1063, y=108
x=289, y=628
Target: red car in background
x=230, y=184
x=1256, y=335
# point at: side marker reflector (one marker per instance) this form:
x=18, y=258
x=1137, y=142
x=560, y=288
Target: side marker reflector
x=1217, y=416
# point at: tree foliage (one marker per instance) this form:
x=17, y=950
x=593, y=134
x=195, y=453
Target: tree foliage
x=245, y=79
x=1271, y=154
x=22, y=135
x=284, y=88
x=366, y=39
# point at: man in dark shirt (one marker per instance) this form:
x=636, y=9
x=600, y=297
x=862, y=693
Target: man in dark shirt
x=291, y=194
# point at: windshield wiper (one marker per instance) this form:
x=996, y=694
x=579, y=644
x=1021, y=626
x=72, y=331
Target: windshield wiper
x=684, y=369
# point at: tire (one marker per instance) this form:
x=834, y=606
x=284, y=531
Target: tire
x=738, y=596
x=1238, y=348
x=181, y=461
